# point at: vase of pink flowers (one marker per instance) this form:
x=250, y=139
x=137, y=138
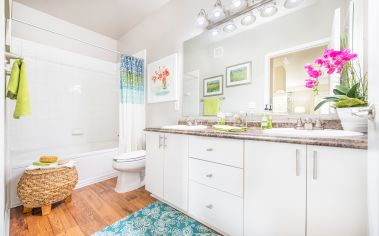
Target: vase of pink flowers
x=352, y=92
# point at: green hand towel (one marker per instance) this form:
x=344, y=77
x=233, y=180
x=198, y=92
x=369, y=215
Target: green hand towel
x=18, y=89
x=211, y=106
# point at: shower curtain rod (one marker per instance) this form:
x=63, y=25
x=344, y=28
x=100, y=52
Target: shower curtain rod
x=66, y=36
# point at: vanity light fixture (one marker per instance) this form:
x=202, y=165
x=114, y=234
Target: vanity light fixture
x=248, y=19
x=237, y=4
x=292, y=3
x=218, y=10
x=246, y=11
x=230, y=27
x=202, y=19
x=269, y=10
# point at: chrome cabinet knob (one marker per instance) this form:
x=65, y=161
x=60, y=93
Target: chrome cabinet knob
x=210, y=206
x=209, y=175
x=209, y=149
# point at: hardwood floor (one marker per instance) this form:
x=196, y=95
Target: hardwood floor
x=91, y=209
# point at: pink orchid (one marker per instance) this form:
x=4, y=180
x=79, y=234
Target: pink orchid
x=332, y=62
x=310, y=83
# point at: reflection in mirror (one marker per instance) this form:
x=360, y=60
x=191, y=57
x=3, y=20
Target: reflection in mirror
x=256, y=64
x=288, y=94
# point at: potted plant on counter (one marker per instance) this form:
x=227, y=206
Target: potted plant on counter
x=350, y=94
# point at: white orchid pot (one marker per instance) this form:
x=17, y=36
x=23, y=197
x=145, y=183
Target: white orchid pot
x=352, y=122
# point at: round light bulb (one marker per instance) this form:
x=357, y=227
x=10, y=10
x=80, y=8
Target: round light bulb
x=230, y=27
x=218, y=12
x=237, y=3
x=292, y=3
x=202, y=18
x=201, y=21
x=269, y=10
x=248, y=19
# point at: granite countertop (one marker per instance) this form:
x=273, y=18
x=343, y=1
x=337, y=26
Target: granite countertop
x=356, y=142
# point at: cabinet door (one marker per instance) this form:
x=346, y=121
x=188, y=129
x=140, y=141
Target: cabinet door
x=154, y=163
x=176, y=170
x=275, y=189
x=337, y=194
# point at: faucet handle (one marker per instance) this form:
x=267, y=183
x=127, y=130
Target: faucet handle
x=308, y=120
x=318, y=124
x=299, y=124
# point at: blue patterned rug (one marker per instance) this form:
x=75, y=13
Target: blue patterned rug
x=156, y=219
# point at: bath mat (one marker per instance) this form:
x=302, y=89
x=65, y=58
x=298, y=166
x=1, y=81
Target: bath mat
x=156, y=219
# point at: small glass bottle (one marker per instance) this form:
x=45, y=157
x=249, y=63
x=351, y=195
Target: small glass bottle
x=265, y=118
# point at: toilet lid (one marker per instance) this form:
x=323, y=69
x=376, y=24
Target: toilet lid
x=131, y=156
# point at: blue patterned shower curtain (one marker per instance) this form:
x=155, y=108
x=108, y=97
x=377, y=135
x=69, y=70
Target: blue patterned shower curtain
x=132, y=104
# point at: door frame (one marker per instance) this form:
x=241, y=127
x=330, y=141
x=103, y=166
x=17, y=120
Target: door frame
x=373, y=150
x=298, y=48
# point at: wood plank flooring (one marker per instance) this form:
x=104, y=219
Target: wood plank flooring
x=91, y=209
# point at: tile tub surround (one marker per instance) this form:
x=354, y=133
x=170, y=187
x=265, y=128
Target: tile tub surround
x=356, y=142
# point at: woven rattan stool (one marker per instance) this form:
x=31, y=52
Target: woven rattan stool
x=42, y=188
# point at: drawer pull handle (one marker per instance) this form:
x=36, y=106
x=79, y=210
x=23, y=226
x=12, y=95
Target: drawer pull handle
x=315, y=156
x=209, y=176
x=209, y=149
x=297, y=162
x=210, y=206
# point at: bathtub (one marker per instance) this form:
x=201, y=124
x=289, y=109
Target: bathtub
x=93, y=162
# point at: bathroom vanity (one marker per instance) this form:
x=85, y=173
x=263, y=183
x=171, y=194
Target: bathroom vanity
x=261, y=184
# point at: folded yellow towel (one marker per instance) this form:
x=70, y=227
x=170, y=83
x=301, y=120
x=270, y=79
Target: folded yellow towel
x=211, y=106
x=18, y=89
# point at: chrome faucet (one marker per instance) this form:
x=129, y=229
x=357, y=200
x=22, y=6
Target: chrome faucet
x=308, y=124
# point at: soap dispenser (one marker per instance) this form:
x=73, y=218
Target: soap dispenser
x=270, y=117
x=265, y=118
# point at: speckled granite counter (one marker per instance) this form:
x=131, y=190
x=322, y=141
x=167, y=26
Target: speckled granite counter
x=356, y=142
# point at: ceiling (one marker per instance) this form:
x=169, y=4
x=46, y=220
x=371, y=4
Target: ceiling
x=112, y=18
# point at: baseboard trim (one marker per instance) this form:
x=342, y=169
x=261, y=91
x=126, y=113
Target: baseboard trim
x=82, y=183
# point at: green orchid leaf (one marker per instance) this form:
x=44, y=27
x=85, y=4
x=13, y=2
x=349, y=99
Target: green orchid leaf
x=338, y=92
x=342, y=89
x=332, y=99
x=353, y=91
x=337, y=97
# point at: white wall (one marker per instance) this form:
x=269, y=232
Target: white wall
x=163, y=34
x=46, y=21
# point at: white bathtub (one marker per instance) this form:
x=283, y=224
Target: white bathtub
x=93, y=164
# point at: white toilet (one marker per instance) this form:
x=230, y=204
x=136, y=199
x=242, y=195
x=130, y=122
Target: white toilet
x=131, y=167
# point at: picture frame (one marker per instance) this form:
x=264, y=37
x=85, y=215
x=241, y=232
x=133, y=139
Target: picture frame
x=162, y=80
x=213, y=86
x=237, y=75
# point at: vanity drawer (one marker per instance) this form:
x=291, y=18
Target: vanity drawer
x=225, y=178
x=216, y=208
x=223, y=151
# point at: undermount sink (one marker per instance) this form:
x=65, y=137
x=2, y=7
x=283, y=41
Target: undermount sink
x=185, y=127
x=312, y=133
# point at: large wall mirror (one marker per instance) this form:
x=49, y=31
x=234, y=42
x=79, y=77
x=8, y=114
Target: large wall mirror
x=264, y=63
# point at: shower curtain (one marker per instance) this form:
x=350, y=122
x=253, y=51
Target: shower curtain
x=132, y=104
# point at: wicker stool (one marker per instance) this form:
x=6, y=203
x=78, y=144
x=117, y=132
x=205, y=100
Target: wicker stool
x=41, y=188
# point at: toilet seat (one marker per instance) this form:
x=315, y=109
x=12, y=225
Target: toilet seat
x=131, y=156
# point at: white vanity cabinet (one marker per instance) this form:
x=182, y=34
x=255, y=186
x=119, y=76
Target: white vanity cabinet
x=275, y=189
x=293, y=190
x=167, y=167
x=336, y=192
x=216, y=183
